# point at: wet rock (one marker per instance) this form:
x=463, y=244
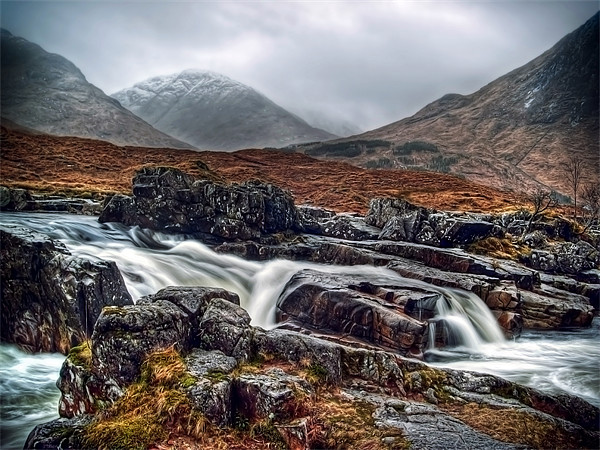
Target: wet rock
x=273, y=395
x=193, y=301
x=565, y=257
x=381, y=368
x=170, y=200
x=536, y=239
x=15, y=199
x=326, y=302
x=403, y=227
x=226, y=327
x=481, y=285
x=404, y=221
x=510, y=322
x=61, y=433
x=212, y=392
x=589, y=276
x=347, y=227
x=382, y=210
x=542, y=311
x=125, y=335
x=296, y=348
x=50, y=299
x=456, y=260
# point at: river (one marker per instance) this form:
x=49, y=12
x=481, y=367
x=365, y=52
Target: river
x=557, y=361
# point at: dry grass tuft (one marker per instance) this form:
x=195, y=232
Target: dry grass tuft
x=516, y=426
x=499, y=248
x=150, y=409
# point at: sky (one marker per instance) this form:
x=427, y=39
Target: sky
x=370, y=63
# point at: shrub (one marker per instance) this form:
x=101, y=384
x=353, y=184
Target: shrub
x=415, y=146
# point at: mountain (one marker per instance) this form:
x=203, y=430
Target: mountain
x=212, y=111
x=515, y=133
x=47, y=92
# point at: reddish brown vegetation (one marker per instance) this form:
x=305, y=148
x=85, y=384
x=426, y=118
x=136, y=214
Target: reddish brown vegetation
x=83, y=166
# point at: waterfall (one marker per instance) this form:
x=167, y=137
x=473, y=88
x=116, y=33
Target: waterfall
x=150, y=261
x=463, y=320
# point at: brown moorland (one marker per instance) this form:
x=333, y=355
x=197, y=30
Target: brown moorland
x=86, y=167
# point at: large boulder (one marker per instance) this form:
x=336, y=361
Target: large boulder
x=50, y=299
x=344, y=304
x=169, y=200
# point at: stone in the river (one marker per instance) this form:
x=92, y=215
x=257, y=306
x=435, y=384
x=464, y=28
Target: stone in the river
x=50, y=299
x=167, y=199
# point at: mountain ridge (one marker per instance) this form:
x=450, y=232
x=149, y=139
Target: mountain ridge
x=213, y=111
x=518, y=131
x=47, y=92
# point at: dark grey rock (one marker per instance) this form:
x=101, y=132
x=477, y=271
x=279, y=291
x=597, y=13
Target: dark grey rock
x=50, y=299
x=331, y=302
x=426, y=427
x=274, y=395
x=226, y=327
x=61, y=433
x=169, y=200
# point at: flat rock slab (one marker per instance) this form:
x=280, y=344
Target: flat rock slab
x=426, y=427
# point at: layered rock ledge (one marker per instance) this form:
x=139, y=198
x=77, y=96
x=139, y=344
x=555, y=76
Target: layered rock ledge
x=306, y=391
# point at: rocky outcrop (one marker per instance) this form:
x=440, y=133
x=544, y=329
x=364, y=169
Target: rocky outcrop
x=50, y=299
x=350, y=305
x=403, y=221
x=299, y=384
x=169, y=200
x=13, y=199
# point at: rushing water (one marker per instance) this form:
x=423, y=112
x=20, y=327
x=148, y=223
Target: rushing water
x=149, y=261
x=28, y=393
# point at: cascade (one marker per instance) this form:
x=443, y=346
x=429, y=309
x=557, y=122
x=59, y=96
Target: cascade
x=463, y=320
x=149, y=261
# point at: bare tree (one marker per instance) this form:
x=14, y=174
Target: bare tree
x=573, y=174
x=541, y=200
x=590, y=195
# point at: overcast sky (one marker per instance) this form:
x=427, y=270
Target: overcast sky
x=367, y=62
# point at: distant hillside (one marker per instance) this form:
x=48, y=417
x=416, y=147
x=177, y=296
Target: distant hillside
x=212, y=111
x=46, y=92
x=57, y=164
x=514, y=133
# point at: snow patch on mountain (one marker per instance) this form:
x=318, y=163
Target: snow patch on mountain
x=212, y=111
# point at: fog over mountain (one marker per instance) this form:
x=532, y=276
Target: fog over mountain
x=212, y=111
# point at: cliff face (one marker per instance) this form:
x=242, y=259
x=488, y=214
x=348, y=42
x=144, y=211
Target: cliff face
x=515, y=132
x=47, y=92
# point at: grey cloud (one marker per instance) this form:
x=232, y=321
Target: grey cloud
x=368, y=62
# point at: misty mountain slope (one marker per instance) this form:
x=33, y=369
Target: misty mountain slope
x=47, y=92
x=514, y=132
x=212, y=111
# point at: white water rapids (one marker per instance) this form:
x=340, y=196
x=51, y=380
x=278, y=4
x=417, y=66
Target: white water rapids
x=551, y=361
